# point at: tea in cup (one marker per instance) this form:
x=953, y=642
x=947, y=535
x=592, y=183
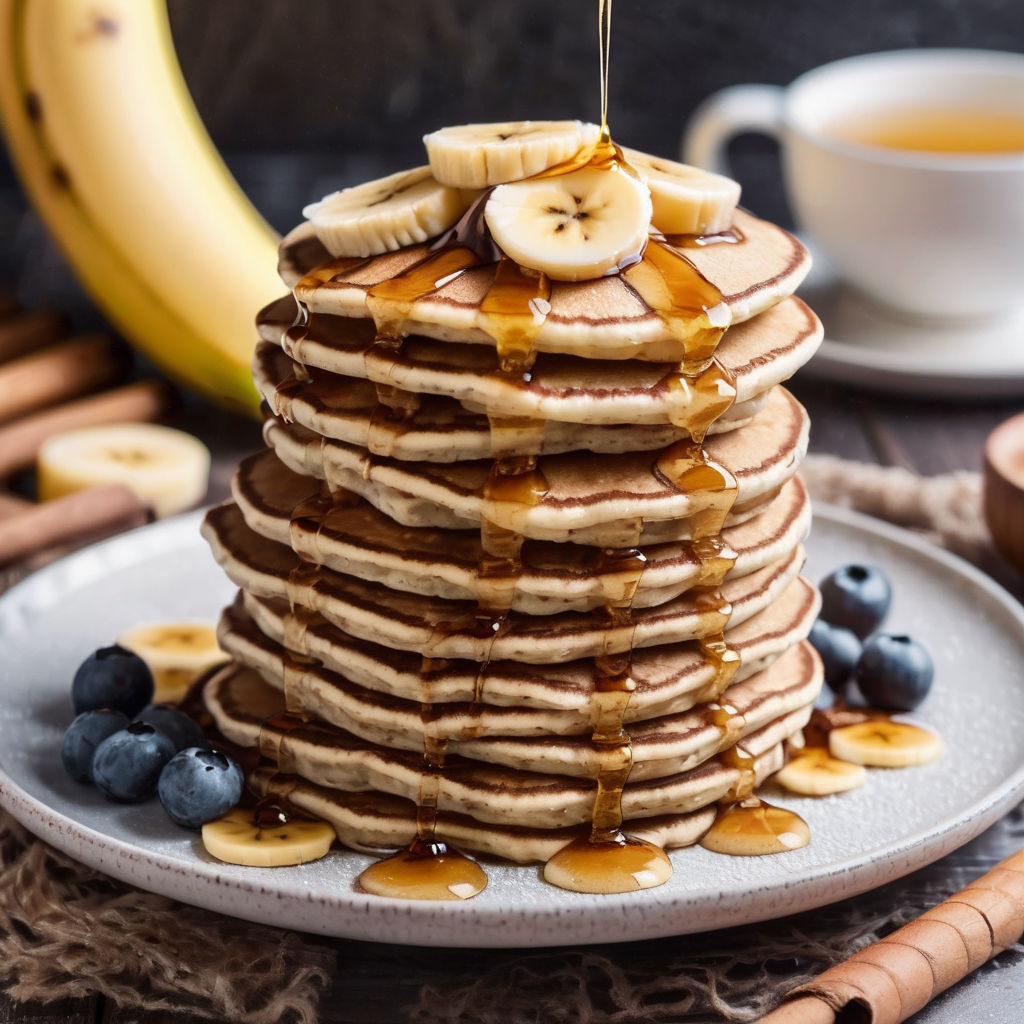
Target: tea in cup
x=906, y=169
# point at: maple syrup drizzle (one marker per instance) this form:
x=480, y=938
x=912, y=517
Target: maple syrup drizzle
x=512, y=313
x=276, y=808
x=730, y=236
x=706, y=389
x=385, y=429
x=271, y=812
x=752, y=827
x=699, y=399
x=390, y=302
x=426, y=869
x=514, y=485
x=295, y=662
x=294, y=384
x=608, y=860
x=689, y=305
x=394, y=403
x=273, y=733
x=512, y=436
x=328, y=273
x=604, y=36
x=306, y=522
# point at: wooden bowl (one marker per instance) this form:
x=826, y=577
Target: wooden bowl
x=1004, y=488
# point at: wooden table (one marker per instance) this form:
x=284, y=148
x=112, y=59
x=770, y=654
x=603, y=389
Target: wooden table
x=378, y=983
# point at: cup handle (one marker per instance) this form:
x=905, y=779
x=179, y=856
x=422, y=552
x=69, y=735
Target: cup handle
x=725, y=114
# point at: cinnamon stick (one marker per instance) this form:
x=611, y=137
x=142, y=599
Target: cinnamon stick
x=58, y=372
x=897, y=976
x=20, y=441
x=11, y=503
x=30, y=330
x=84, y=515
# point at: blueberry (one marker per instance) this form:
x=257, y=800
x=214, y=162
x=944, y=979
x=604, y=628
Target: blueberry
x=856, y=597
x=198, y=785
x=839, y=649
x=894, y=672
x=112, y=677
x=126, y=766
x=181, y=730
x=82, y=738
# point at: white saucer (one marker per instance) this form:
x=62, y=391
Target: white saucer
x=871, y=347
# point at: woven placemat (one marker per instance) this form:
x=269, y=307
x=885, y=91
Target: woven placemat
x=68, y=931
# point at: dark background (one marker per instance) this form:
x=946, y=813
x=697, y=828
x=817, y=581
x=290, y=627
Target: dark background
x=304, y=96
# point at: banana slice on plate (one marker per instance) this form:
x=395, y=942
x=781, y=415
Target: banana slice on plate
x=883, y=743
x=686, y=200
x=815, y=772
x=236, y=838
x=177, y=653
x=480, y=155
x=572, y=227
x=384, y=215
x=167, y=468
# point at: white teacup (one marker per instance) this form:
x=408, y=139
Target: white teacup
x=927, y=233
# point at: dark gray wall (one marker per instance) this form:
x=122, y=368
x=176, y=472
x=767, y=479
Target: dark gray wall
x=316, y=73
x=304, y=96
x=347, y=87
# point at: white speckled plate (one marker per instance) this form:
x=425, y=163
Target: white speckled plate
x=900, y=821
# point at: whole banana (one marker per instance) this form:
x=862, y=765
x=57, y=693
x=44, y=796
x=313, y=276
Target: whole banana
x=115, y=159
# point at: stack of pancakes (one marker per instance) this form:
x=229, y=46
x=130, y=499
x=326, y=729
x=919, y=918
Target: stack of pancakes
x=466, y=530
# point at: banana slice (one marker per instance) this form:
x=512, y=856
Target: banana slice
x=814, y=772
x=386, y=214
x=479, y=155
x=883, y=743
x=177, y=653
x=166, y=468
x=686, y=200
x=572, y=227
x=237, y=839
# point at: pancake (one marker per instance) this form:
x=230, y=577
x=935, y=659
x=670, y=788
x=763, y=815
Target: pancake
x=443, y=430
x=337, y=759
x=360, y=541
x=660, y=746
x=439, y=628
x=667, y=677
x=520, y=813
x=598, y=319
x=609, y=501
x=380, y=823
x=333, y=697
x=759, y=354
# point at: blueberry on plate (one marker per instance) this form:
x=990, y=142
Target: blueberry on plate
x=894, y=672
x=112, y=677
x=856, y=597
x=839, y=650
x=178, y=727
x=198, y=785
x=83, y=736
x=126, y=766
